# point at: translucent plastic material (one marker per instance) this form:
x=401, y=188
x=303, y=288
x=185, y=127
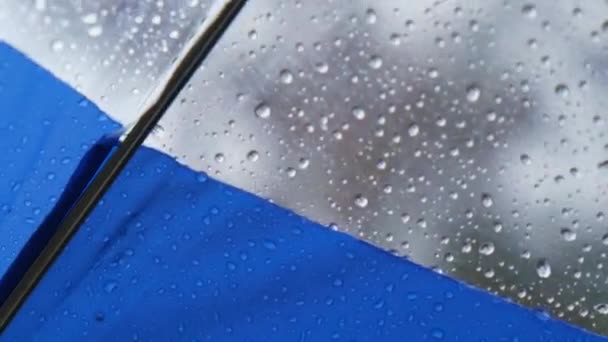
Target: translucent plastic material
x=114, y=52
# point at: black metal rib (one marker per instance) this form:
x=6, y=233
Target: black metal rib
x=118, y=160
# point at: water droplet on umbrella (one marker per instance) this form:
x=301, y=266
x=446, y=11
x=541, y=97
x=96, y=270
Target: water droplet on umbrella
x=562, y=90
x=57, y=45
x=543, y=268
x=568, y=234
x=286, y=76
x=487, y=248
x=413, y=130
x=529, y=11
x=262, y=111
x=602, y=309
x=473, y=93
x=359, y=113
x=253, y=156
x=486, y=200
x=361, y=201
x=370, y=16
x=525, y=159
x=375, y=62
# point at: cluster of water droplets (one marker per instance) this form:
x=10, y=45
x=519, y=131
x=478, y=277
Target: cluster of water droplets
x=115, y=52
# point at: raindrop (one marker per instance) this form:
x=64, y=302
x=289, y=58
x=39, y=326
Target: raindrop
x=395, y=39
x=605, y=239
x=359, y=113
x=498, y=227
x=322, y=68
x=562, y=90
x=89, y=19
x=286, y=76
x=389, y=237
x=100, y=317
x=375, y=62
x=303, y=163
x=542, y=314
x=219, y=157
x=270, y=245
x=473, y=93
x=410, y=25
x=543, y=268
x=262, y=111
x=253, y=156
x=291, y=172
x=525, y=159
x=575, y=172
x=529, y=11
x=57, y=45
x=486, y=200
x=370, y=16
x=110, y=286
x=95, y=31
x=413, y=130
x=602, y=309
x=487, y=248
x=449, y=257
x=361, y=201
x=489, y=273
x=157, y=19
x=201, y=177
x=437, y=334
x=568, y=234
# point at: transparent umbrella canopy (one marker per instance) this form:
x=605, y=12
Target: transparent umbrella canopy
x=467, y=136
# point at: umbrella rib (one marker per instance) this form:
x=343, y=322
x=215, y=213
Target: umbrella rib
x=180, y=76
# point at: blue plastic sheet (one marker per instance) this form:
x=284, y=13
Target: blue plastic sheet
x=170, y=254
x=173, y=255
x=45, y=129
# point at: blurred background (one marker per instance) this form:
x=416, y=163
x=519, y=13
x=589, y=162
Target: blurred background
x=467, y=136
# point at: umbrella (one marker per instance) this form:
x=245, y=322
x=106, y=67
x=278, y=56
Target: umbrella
x=168, y=252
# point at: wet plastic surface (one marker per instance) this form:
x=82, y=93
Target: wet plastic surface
x=39, y=118
x=113, y=52
x=171, y=254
